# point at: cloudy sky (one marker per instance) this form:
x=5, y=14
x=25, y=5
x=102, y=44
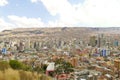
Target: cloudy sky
x=59, y=13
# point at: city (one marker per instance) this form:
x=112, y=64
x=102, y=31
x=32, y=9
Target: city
x=59, y=39
x=94, y=57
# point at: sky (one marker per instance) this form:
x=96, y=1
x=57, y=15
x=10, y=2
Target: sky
x=59, y=13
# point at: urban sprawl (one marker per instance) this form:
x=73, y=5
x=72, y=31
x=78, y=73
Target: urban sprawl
x=96, y=58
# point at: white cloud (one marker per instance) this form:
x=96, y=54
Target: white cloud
x=99, y=13
x=26, y=22
x=34, y=1
x=3, y=2
x=63, y=8
x=5, y=25
x=20, y=22
x=91, y=13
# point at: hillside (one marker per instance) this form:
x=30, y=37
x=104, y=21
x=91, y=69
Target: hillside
x=58, y=33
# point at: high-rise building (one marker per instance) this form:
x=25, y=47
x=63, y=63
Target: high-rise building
x=93, y=41
x=101, y=40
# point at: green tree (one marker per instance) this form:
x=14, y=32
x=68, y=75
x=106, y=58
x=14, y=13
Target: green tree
x=40, y=69
x=16, y=64
x=63, y=66
x=67, y=67
x=19, y=65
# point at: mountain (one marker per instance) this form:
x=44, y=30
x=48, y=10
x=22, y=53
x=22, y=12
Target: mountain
x=58, y=32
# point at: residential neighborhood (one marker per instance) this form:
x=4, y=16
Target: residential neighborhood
x=96, y=58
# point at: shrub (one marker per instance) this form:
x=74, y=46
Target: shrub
x=15, y=64
x=63, y=66
x=19, y=65
x=26, y=67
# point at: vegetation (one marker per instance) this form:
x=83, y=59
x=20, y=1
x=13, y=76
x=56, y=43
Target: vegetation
x=15, y=70
x=44, y=77
x=11, y=74
x=40, y=69
x=63, y=67
x=19, y=65
x=4, y=65
x=15, y=64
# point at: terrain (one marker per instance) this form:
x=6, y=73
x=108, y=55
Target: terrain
x=58, y=32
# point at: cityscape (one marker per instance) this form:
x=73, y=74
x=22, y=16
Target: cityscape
x=64, y=53
x=59, y=39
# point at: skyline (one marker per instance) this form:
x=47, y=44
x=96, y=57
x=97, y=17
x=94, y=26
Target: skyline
x=59, y=13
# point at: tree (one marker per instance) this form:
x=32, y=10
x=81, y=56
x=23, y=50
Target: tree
x=40, y=69
x=67, y=67
x=15, y=64
x=19, y=65
x=63, y=66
